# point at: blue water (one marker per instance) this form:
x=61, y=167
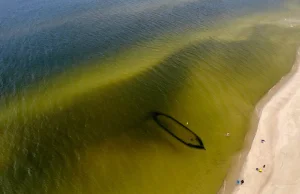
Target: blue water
x=39, y=39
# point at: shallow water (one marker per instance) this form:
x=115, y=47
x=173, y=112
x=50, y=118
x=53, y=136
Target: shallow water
x=79, y=82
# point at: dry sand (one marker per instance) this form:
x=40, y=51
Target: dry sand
x=279, y=126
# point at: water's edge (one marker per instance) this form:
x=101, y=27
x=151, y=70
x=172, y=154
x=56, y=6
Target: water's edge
x=239, y=158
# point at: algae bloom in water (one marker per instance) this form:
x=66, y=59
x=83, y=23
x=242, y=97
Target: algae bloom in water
x=79, y=83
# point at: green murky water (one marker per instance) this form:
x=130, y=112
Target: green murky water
x=88, y=129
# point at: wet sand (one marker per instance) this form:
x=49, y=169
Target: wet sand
x=279, y=126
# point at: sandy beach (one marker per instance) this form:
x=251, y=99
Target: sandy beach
x=279, y=126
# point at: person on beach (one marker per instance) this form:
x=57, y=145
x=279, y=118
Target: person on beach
x=256, y=169
x=242, y=182
x=264, y=166
x=262, y=141
x=238, y=182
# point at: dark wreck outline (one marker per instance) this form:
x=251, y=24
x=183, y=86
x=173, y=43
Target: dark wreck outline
x=197, y=138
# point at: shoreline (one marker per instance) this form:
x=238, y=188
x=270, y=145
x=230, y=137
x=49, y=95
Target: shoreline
x=239, y=159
